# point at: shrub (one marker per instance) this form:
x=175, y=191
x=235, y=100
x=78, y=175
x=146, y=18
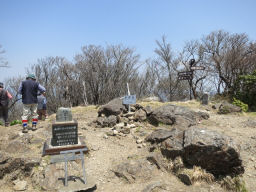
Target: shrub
x=241, y=104
x=15, y=122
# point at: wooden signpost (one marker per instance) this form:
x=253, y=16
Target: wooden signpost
x=188, y=75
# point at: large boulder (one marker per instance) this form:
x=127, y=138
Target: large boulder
x=226, y=107
x=172, y=147
x=114, y=107
x=175, y=115
x=212, y=151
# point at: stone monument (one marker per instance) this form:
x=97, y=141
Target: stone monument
x=64, y=130
x=64, y=134
x=205, y=99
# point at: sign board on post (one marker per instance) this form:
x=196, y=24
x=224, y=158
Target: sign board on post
x=185, y=73
x=185, y=77
x=64, y=134
x=129, y=99
x=197, y=68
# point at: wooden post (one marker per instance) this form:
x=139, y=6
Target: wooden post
x=128, y=90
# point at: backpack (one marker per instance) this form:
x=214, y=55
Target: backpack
x=4, y=100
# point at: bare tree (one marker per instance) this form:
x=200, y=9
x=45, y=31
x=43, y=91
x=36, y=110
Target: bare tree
x=229, y=55
x=167, y=67
x=106, y=71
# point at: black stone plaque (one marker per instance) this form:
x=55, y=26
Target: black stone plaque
x=64, y=134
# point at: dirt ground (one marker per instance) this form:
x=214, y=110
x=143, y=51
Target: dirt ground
x=106, y=152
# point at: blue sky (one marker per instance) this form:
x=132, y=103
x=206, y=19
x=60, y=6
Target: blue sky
x=33, y=29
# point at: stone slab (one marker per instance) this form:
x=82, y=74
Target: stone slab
x=48, y=149
x=63, y=114
x=78, y=185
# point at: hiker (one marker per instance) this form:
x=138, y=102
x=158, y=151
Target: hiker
x=29, y=89
x=5, y=96
x=41, y=107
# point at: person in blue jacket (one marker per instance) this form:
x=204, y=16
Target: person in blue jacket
x=29, y=89
x=41, y=107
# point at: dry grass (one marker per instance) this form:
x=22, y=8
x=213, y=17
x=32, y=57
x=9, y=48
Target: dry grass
x=82, y=109
x=235, y=184
x=176, y=165
x=200, y=174
x=251, y=114
x=197, y=175
x=155, y=104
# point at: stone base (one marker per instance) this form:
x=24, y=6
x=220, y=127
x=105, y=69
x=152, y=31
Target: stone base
x=78, y=185
x=55, y=150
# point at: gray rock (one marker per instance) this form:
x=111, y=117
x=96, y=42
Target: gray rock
x=16, y=147
x=112, y=120
x=148, y=110
x=138, y=106
x=185, y=178
x=129, y=114
x=157, y=159
x=216, y=153
x=109, y=121
x=173, y=145
x=102, y=121
x=114, y=107
x=20, y=185
x=125, y=130
x=134, y=169
x=159, y=135
x=140, y=115
x=63, y=114
x=203, y=115
x=154, y=186
x=250, y=123
x=10, y=164
x=173, y=115
x=212, y=151
x=105, y=136
x=3, y=158
x=51, y=178
x=78, y=185
x=228, y=108
x=216, y=106
x=124, y=119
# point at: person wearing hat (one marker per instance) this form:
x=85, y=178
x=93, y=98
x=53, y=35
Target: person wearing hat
x=29, y=89
x=4, y=101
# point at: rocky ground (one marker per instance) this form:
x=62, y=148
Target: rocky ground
x=116, y=161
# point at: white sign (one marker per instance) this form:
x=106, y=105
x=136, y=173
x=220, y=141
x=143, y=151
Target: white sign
x=129, y=99
x=197, y=68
